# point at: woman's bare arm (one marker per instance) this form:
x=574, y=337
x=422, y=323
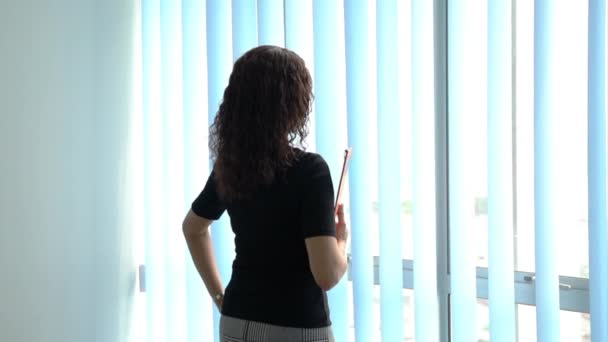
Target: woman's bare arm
x=327, y=255
x=198, y=238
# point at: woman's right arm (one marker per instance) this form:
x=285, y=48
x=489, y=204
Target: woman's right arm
x=327, y=255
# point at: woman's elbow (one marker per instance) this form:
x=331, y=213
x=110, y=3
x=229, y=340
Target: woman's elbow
x=330, y=278
x=326, y=284
x=194, y=225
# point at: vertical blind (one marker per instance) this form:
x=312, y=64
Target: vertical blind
x=597, y=126
x=358, y=79
x=350, y=47
x=500, y=171
x=466, y=92
x=423, y=171
x=389, y=182
x=219, y=66
x=153, y=163
x=330, y=108
x=198, y=318
x=545, y=161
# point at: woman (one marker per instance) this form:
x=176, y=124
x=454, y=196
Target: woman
x=289, y=248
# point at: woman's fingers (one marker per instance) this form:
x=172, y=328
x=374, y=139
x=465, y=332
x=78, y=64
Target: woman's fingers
x=341, y=228
x=341, y=214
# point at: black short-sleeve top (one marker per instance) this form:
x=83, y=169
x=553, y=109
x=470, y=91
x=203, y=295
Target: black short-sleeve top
x=271, y=279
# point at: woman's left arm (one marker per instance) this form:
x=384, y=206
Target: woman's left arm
x=198, y=239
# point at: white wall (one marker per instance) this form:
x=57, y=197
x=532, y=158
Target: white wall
x=67, y=267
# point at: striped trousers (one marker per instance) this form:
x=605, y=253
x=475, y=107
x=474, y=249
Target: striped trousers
x=238, y=330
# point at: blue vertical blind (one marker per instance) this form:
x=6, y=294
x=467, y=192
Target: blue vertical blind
x=389, y=182
x=423, y=172
x=465, y=94
x=244, y=26
x=270, y=21
x=199, y=318
x=219, y=66
x=153, y=163
x=358, y=86
x=350, y=47
x=545, y=184
x=173, y=163
x=598, y=218
x=299, y=38
x=330, y=106
x=501, y=292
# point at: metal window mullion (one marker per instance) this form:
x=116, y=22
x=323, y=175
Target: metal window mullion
x=441, y=160
x=574, y=291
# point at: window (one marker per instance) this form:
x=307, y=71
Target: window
x=456, y=154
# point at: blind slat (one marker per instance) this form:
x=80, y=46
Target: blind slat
x=389, y=128
x=357, y=66
x=299, y=38
x=271, y=23
x=299, y=31
x=199, y=318
x=154, y=204
x=465, y=88
x=330, y=109
x=173, y=163
x=598, y=225
x=426, y=303
x=219, y=66
x=500, y=175
x=547, y=276
x=244, y=26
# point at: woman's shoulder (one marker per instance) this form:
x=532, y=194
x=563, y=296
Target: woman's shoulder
x=307, y=159
x=310, y=163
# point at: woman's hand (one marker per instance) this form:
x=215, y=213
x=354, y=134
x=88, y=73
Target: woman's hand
x=341, y=228
x=219, y=302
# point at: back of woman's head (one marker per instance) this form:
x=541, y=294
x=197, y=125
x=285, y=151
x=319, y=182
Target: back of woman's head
x=264, y=110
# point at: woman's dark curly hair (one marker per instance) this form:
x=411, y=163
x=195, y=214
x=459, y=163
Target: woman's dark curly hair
x=264, y=110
